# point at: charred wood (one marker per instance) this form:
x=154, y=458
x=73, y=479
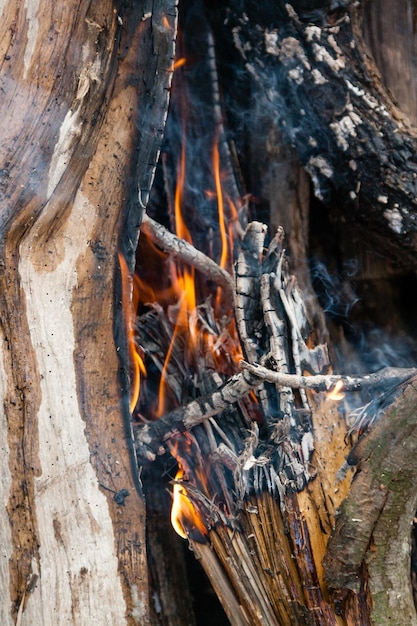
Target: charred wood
x=311, y=74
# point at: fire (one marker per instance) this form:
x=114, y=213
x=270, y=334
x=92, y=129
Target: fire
x=183, y=287
x=179, y=63
x=336, y=393
x=185, y=519
x=129, y=312
x=220, y=204
x=198, y=336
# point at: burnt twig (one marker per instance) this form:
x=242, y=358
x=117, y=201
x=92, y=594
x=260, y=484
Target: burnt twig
x=321, y=382
x=185, y=251
x=151, y=437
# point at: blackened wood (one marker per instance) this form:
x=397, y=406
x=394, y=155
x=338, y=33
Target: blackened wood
x=150, y=438
x=314, y=76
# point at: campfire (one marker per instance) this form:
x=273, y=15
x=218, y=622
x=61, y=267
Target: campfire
x=229, y=381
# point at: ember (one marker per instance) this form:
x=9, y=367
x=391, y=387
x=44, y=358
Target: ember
x=336, y=393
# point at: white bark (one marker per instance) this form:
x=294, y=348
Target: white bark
x=78, y=569
x=5, y=483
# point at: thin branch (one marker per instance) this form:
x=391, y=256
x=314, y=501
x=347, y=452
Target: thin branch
x=185, y=251
x=327, y=382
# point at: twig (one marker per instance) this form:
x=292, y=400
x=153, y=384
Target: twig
x=327, y=382
x=185, y=251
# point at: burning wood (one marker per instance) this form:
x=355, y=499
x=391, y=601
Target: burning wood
x=179, y=248
x=247, y=433
x=229, y=480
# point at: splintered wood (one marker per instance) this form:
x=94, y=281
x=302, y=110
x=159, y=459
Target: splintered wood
x=244, y=441
x=251, y=439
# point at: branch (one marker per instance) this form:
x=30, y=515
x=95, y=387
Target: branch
x=151, y=437
x=327, y=382
x=185, y=251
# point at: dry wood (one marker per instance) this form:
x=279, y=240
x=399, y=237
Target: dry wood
x=374, y=521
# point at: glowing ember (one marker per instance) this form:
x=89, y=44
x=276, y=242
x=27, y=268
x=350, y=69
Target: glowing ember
x=129, y=311
x=336, y=393
x=180, y=62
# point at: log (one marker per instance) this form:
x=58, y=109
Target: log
x=79, y=84
x=372, y=529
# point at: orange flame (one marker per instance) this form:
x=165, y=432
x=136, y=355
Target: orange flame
x=336, y=393
x=136, y=361
x=179, y=63
x=185, y=518
x=220, y=204
x=183, y=286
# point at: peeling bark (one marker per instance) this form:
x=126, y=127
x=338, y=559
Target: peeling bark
x=77, y=99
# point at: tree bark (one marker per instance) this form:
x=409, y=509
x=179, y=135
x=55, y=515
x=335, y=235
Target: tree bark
x=81, y=90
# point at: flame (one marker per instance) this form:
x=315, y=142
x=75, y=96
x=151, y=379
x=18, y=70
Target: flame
x=183, y=287
x=220, y=204
x=186, y=520
x=179, y=63
x=166, y=22
x=136, y=360
x=335, y=393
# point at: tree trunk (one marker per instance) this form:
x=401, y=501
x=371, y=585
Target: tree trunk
x=84, y=101
x=83, y=105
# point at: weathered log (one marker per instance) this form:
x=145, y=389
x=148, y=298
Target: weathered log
x=373, y=527
x=78, y=84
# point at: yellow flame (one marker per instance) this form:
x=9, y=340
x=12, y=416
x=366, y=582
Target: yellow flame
x=136, y=361
x=335, y=393
x=185, y=518
x=178, y=496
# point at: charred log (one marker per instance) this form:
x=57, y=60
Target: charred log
x=312, y=78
